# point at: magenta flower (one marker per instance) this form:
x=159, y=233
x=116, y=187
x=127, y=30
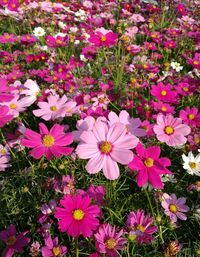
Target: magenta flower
x=52, y=248
x=105, y=146
x=5, y=91
x=103, y=39
x=190, y=116
x=174, y=207
x=163, y=92
x=109, y=241
x=49, y=143
x=149, y=166
x=4, y=115
x=140, y=227
x=79, y=216
x=170, y=130
x=14, y=243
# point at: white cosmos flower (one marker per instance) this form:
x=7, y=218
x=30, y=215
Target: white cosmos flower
x=176, y=66
x=31, y=90
x=39, y=32
x=191, y=164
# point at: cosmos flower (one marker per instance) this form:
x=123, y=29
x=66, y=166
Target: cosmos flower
x=78, y=216
x=191, y=164
x=52, y=248
x=149, y=166
x=14, y=243
x=5, y=117
x=174, y=207
x=109, y=241
x=140, y=227
x=171, y=130
x=105, y=146
x=51, y=143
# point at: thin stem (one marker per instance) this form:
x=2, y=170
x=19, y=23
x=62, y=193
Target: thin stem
x=149, y=200
x=77, y=251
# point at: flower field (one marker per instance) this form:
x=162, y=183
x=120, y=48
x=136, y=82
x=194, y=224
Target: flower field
x=99, y=128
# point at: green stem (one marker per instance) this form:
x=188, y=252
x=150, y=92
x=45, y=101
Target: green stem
x=77, y=251
x=149, y=200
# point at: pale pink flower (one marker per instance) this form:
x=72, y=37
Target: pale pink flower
x=132, y=125
x=100, y=101
x=17, y=105
x=105, y=146
x=171, y=130
x=53, y=109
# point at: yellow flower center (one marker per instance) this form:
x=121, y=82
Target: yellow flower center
x=169, y=130
x=191, y=116
x=185, y=89
x=105, y=147
x=11, y=240
x=195, y=62
x=68, y=110
x=198, y=183
x=192, y=165
x=110, y=243
x=196, y=140
x=58, y=41
x=53, y=108
x=56, y=251
x=103, y=38
x=164, y=109
x=140, y=228
x=163, y=92
x=173, y=208
x=48, y=140
x=13, y=106
x=13, y=5
x=78, y=214
x=149, y=162
x=2, y=151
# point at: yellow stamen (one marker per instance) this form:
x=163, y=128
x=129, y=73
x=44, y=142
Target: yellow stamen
x=11, y=240
x=191, y=116
x=78, y=214
x=53, y=108
x=169, y=130
x=13, y=106
x=103, y=38
x=192, y=165
x=105, y=147
x=48, y=140
x=56, y=250
x=149, y=162
x=163, y=92
x=173, y=208
x=141, y=228
x=110, y=243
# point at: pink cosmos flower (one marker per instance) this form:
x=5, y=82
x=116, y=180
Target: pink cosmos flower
x=52, y=248
x=53, y=109
x=100, y=101
x=65, y=185
x=86, y=124
x=171, y=130
x=34, y=249
x=105, y=146
x=109, y=241
x=140, y=227
x=163, y=92
x=49, y=143
x=132, y=125
x=163, y=107
x=4, y=115
x=4, y=162
x=149, y=166
x=14, y=242
x=17, y=105
x=78, y=217
x=5, y=91
x=174, y=207
x=100, y=39
x=190, y=116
